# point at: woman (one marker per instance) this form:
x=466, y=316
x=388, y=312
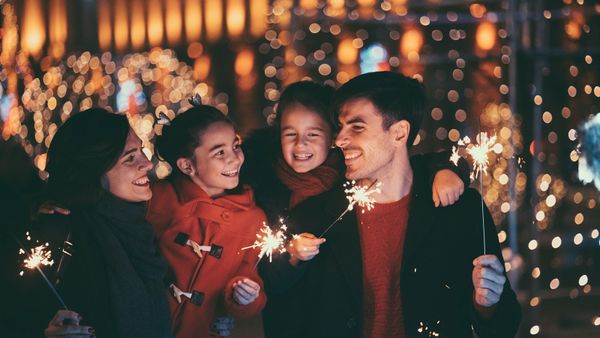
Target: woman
x=110, y=271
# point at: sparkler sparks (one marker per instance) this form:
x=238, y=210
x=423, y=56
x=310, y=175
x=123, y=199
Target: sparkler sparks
x=360, y=195
x=39, y=256
x=425, y=329
x=270, y=241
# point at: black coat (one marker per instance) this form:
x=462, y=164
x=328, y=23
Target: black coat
x=263, y=149
x=436, y=285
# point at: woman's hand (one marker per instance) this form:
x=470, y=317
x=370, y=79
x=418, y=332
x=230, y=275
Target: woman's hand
x=66, y=324
x=245, y=291
x=50, y=207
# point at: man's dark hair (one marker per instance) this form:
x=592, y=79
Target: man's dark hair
x=312, y=95
x=82, y=151
x=396, y=97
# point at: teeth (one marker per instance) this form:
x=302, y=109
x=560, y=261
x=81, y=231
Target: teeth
x=141, y=181
x=303, y=156
x=351, y=156
x=230, y=173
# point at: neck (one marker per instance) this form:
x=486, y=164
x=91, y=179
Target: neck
x=396, y=181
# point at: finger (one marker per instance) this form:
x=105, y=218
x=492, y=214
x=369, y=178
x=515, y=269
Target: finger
x=489, y=261
x=62, y=315
x=436, y=199
x=85, y=331
x=445, y=199
x=62, y=211
x=314, y=242
x=250, y=288
x=457, y=194
x=243, y=292
x=491, y=275
x=489, y=284
x=307, y=235
x=242, y=298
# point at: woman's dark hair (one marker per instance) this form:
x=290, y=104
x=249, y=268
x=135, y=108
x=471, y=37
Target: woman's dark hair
x=83, y=149
x=183, y=135
x=312, y=95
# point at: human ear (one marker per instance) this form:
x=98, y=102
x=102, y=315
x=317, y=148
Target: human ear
x=400, y=131
x=185, y=166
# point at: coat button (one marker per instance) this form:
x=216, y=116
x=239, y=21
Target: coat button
x=226, y=216
x=351, y=323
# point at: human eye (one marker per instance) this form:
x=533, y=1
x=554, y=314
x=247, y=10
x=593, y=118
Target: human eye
x=219, y=153
x=357, y=128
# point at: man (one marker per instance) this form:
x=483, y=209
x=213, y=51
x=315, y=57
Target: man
x=405, y=268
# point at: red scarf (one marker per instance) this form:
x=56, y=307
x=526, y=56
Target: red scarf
x=312, y=183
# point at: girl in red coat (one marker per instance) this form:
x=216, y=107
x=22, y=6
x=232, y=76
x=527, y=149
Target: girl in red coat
x=202, y=220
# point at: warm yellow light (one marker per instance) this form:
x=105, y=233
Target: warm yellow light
x=202, y=68
x=34, y=30
x=486, y=35
x=346, y=53
x=104, y=27
x=411, y=42
x=173, y=22
x=138, y=25
x=309, y=4
x=214, y=19
x=336, y=7
x=58, y=28
x=258, y=17
x=236, y=17
x=244, y=62
x=121, y=25
x=155, y=28
x=193, y=20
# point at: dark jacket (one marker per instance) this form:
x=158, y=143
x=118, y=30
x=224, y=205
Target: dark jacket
x=262, y=149
x=84, y=276
x=436, y=285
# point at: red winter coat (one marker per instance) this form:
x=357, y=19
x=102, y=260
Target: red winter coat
x=180, y=207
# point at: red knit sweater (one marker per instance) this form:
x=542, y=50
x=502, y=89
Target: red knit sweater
x=382, y=232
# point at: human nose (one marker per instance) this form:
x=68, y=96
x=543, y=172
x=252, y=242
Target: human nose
x=341, y=139
x=145, y=164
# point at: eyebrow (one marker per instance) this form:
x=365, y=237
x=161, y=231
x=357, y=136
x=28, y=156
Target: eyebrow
x=132, y=150
x=356, y=120
x=215, y=147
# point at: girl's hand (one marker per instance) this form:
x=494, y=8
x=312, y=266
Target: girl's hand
x=304, y=247
x=245, y=291
x=447, y=188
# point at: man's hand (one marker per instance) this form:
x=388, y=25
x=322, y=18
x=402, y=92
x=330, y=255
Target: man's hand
x=245, y=291
x=488, y=280
x=447, y=188
x=65, y=324
x=223, y=326
x=304, y=247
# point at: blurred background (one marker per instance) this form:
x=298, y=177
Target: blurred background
x=525, y=71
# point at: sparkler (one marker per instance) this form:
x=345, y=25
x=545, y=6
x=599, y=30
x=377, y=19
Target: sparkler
x=40, y=256
x=425, y=329
x=357, y=194
x=479, y=154
x=269, y=241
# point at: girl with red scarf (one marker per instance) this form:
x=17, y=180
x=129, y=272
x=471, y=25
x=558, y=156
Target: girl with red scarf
x=293, y=161
x=203, y=219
